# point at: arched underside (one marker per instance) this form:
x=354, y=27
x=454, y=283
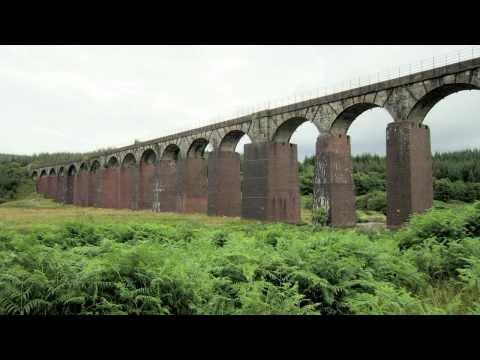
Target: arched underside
x=129, y=160
x=197, y=149
x=43, y=173
x=52, y=172
x=231, y=140
x=112, y=162
x=171, y=152
x=427, y=102
x=343, y=121
x=72, y=170
x=95, y=166
x=285, y=131
x=148, y=157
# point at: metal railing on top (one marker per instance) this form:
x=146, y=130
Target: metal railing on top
x=425, y=64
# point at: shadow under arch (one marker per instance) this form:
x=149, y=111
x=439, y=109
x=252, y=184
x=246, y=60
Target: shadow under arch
x=95, y=166
x=112, y=162
x=72, y=170
x=129, y=161
x=429, y=100
x=171, y=152
x=149, y=156
x=197, y=148
x=70, y=191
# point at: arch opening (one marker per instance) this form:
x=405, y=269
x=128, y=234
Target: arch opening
x=129, y=161
x=34, y=175
x=72, y=170
x=197, y=148
x=366, y=130
x=43, y=173
x=171, y=152
x=95, y=166
x=451, y=121
x=112, y=162
x=286, y=130
x=234, y=141
x=83, y=167
x=149, y=157
x=342, y=123
x=428, y=101
x=61, y=172
x=52, y=172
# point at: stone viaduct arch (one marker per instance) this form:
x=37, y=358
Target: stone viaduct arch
x=172, y=173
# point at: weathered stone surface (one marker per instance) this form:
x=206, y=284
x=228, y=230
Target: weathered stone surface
x=333, y=181
x=224, y=184
x=192, y=185
x=270, y=188
x=409, y=171
x=128, y=194
x=407, y=99
x=165, y=189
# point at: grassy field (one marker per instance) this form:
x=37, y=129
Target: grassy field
x=37, y=212
x=59, y=259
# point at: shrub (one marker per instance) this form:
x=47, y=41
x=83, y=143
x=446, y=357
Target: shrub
x=374, y=201
x=320, y=217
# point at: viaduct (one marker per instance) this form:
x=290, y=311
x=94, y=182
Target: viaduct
x=173, y=174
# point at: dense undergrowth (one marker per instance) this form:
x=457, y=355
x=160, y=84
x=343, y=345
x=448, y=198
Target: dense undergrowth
x=109, y=266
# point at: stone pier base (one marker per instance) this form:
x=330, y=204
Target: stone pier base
x=165, y=188
x=224, y=182
x=270, y=189
x=333, y=183
x=192, y=185
x=409, y=172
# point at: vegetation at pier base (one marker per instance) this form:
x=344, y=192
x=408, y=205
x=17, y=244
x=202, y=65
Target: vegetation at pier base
x=59, y=259
x=456, y=178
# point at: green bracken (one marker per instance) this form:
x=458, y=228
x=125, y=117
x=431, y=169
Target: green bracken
x=66, y=260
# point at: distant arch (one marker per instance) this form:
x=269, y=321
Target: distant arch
x=197, y=148
x=171, y=152
x=95, y=166
x=52, y=172
x=149, y=156
x=429, y=100
x=61, y=171
x=34, y=175
x=284, y=132
x=112, y=162
x=43, y=173
x=72, y=170
x=129, y=160
x=83, y=167
x=344, y=120
x=230, y=141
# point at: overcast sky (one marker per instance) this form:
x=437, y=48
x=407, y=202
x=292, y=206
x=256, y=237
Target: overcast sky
x=81, y=98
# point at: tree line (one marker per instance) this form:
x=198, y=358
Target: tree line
x=456, y=175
